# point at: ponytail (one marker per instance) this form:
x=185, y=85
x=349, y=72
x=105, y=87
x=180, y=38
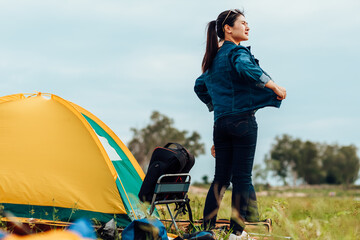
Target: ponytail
x=215, y=30
x=212, y=46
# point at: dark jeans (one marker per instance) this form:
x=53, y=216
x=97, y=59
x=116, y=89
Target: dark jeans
x=235, y=142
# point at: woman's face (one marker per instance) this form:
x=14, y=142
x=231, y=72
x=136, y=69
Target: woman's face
x=240, y=31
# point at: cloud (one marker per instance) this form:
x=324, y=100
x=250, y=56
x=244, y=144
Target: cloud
x=339, y=129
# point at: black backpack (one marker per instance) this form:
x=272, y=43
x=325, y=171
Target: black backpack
x=165, y=160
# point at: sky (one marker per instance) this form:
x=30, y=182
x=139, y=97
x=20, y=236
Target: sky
x=121, y=60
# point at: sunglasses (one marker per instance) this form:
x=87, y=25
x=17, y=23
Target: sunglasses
x=228, y=14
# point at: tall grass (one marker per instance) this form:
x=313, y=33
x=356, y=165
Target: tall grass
x=322, y=212
x=314, y=215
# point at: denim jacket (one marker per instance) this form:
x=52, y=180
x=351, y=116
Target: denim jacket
x=234, y=83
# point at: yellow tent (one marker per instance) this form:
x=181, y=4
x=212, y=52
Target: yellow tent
x=54, y=166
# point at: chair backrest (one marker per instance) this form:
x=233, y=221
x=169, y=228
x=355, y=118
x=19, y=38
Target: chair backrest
x=177, y=183
x=171, y=188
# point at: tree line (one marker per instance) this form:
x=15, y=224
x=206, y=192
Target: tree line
x=313, y=162
x=159, y=132
x=289, y=158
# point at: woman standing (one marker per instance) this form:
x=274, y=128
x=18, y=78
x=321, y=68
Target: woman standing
x=233, y=86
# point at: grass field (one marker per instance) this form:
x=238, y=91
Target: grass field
x=317, y=212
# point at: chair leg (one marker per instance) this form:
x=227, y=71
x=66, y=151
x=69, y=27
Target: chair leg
x=189, y=210
x=172, y=218
x=152, y=208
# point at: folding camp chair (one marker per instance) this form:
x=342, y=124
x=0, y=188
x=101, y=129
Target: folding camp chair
x=173, y=188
